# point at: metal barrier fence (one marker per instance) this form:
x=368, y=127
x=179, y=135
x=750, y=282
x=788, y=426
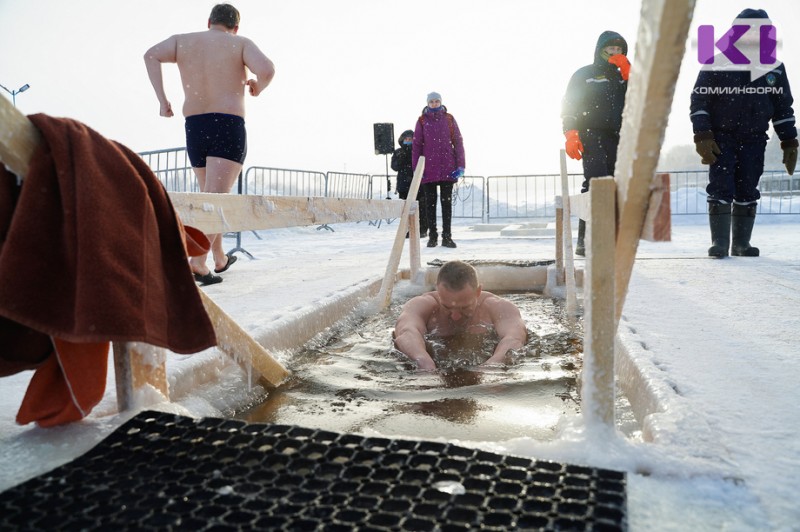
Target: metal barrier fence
x=264, y=181
x=526, y=196
x=490, y=198
x=172, y=168
x=780, y=192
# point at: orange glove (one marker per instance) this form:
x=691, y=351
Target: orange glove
x=622, y=63
x=574, y=145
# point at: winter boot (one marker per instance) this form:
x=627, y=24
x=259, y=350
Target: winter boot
x=447, y=241
x=580, y=248
x=433, y=239
x=719, y=218
x=742, y=219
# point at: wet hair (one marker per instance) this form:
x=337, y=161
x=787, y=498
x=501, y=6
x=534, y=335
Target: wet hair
x=225, y=15
x=455, y=275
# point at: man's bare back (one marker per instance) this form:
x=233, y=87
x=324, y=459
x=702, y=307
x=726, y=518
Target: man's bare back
x=212, y=66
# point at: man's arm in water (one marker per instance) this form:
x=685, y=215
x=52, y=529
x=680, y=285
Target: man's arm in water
x=510, y=330
x=410, y=330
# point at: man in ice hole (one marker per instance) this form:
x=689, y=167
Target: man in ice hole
x=458, y=307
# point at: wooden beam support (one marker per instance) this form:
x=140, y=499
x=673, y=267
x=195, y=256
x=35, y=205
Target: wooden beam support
x=222, y=213
x=657, y=226
x=560, y=275
x=138, y=366
x=658, y=221
x=385, y=293
x=239, y=345
x=598, y=300
x=660, y=47
x=18, y=140
x=569, y=262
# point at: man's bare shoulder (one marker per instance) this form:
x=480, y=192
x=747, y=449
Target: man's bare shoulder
x=428, y=299
x=495, y=302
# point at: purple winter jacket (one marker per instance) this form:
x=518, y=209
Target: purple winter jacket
x=432, y=139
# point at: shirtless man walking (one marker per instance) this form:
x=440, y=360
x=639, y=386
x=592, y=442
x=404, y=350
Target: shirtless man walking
x=213, y=67
x=458, y=306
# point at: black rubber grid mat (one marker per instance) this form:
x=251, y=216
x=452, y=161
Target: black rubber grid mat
x=166, y=472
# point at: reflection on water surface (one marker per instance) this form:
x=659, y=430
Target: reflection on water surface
x=354, y=381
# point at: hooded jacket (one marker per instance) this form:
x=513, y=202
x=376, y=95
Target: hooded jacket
x=595, y=94
x=727, y=101
x=438, y=139
x=401, y=163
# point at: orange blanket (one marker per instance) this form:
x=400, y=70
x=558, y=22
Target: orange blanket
x=91, y=251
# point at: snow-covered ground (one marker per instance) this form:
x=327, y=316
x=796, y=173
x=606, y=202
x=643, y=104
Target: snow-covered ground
x=714, y=340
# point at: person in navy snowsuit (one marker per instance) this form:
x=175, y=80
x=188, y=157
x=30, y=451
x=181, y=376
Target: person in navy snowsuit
x=730, y=117
x=591, y=113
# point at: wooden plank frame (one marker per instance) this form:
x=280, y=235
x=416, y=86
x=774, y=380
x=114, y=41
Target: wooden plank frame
x=18, y=141
x=569, y=260
x=385, y=293
x=600, y=333
x=221, y=213
x=660, y=47
x=642, y=198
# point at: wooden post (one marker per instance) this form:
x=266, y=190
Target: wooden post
x=560, y=275
x=136, y=366
x=414, y=241
x=240, y=346
x=572, y=303
x=222, y=213
x=598, y=301
x=385, y=293
x=660, y=47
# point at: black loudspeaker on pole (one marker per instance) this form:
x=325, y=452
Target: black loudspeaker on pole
x=384, y=138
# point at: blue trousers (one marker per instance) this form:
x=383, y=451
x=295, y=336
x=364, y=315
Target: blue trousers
x=599, y=154
x=735, y=175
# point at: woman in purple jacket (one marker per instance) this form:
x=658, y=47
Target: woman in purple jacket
x=438, y=139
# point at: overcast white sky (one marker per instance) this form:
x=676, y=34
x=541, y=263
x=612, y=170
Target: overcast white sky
x=501, y=66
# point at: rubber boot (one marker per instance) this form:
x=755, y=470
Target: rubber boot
x=433, y=238
x=742, y=219
x=719, y=219
x=580, y=248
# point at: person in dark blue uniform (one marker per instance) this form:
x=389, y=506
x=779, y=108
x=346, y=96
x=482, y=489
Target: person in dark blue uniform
x=591, y=114
x=730, y=116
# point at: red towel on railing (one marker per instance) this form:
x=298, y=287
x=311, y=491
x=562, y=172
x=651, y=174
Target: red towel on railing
x=91, y=251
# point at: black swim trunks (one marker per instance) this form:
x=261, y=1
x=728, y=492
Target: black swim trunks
x=215, y=135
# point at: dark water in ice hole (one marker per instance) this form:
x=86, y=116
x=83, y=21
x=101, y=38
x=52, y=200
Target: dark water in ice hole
x=354, y=381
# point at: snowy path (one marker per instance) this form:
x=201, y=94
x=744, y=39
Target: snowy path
x=725, y=335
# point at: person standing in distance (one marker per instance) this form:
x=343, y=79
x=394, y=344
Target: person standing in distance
x=438, y=139
x=730, y=117
x=213, y=68
x=401, y=163
x=591, y=113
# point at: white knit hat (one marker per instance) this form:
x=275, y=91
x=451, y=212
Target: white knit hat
x=434, y=96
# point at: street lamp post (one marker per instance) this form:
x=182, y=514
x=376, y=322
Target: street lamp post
x=14, y=93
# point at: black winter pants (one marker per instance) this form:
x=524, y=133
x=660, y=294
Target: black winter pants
x=599, y=154
x=431, y=193
x=735, y=175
